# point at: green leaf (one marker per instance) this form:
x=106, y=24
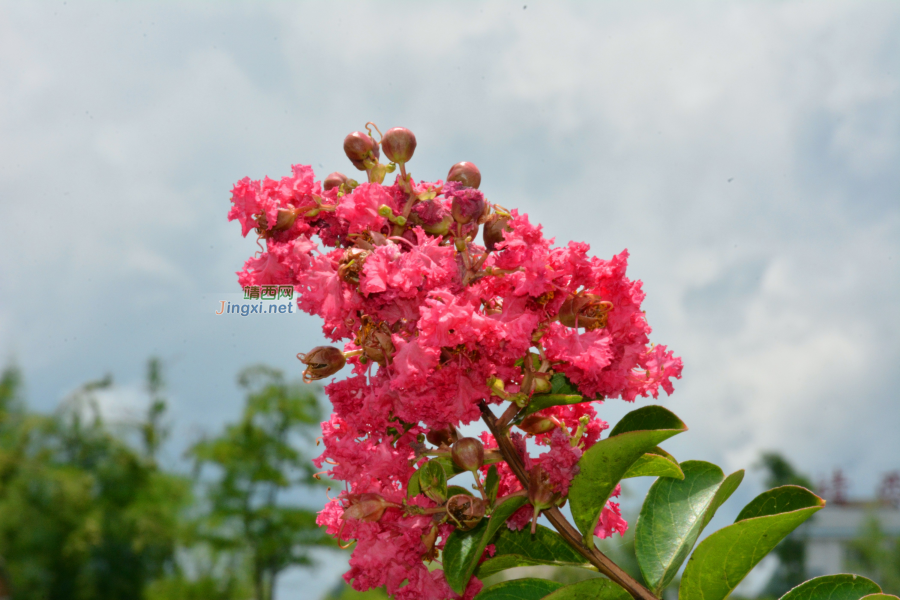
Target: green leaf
x=607, y=461
x=521, y=549
x=519, y=589
x=590, y=589
x=492, y=485
x=723, y=559
x=834, y=587
x=465, y=548
x=453, y=490
x=673, y=516
x=654, y=465
x=542, y=401
x=431, y=480
x=560, y=384
x=880, y=597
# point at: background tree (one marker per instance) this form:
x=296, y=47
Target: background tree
x=791, y=552
x=876, y=554
x=83, y=515
x=250, y=469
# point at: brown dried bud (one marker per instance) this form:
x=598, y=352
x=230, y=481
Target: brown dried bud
x=441, y=437
x=321, y=362
x=541, y=494
x=493, y=230
x=468, y=454
x=399, y=144
x=359, y=146
x=334, y=180
x=428, y=540
x=584, y=310
x=366, y=507
x=536, y=424
x=465, y=511
x=466, y=173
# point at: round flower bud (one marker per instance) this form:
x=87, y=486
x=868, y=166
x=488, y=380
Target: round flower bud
x=541, y=494
x=541, y=385
x=465, y=511
x=358, y=146
x=321, y=362
x=465, y=173
x=334, y=180
x=536, y=424
x=468, y=454
x=493, y=230
x=399, y=144
x=366, y=507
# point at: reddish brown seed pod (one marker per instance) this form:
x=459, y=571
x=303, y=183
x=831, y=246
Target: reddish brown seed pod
x=466, y=173
x=399, y=144
x=334, y=180
x=536, y=424
x=493, y=230
x=321, y=362
x=468, y=453
x=358, y=146
x=465, y=511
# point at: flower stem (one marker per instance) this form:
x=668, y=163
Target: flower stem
x=565, y=529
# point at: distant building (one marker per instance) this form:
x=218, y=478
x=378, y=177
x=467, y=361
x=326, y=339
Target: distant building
x=830, y=533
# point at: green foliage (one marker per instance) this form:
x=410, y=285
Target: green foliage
x=521, y=549
x=878, y=555
x=590, y=589
x=606, y=462
x=83, y=515
x=465, y=548
x=655, y=464
x=253, y=463
x=833, y=587
x=519, y=589
x=722, y=560
x=673, y=516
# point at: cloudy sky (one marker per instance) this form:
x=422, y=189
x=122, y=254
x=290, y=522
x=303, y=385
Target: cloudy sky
x=747, y=155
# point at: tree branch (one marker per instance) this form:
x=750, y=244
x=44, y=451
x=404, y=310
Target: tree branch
x=555, y=516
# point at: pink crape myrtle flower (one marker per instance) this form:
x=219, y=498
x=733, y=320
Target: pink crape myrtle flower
x=434, y=326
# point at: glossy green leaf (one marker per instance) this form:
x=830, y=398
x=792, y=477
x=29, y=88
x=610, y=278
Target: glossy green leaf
x=606, y=462
x=492, y=485
x=519, y=589
x=654, y=465
x=521, y=549
x=590, y=589
x=880, y=596
x=834, y=587
x=542, y=401
x=465, y=548
x=722, y=560
x=560, y=384
x=673, y=516
x=453, y=490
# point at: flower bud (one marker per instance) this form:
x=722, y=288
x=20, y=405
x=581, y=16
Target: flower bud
x=541, y=494
x=467, y=204
x=441, y=437
x=399, y=144
x=541, y=385
x=335, y=180
x=465, y=511
x=321, y=362
x=465, y=173
x=468, y=454
x=359, y=146
x=366, y=507
x=536, y=424
x=493, y=230
x=584, y=310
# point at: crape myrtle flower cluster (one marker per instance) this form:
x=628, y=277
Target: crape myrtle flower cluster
x=442, y=301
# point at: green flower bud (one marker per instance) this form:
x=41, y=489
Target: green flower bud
x=468, y=454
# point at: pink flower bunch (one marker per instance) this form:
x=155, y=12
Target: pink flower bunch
x=436, y=323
